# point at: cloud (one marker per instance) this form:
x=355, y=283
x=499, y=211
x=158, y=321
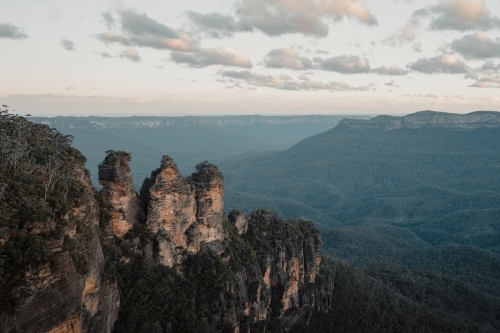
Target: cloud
x=477, y=46
x=207, y=57
x=287, y=58
x=278, y=17
x=131, y=54
x=141, y=24
x=217, y=25
x=285, y=82
x=108, y=18
x=11, y=31
x=459, y=15
x=111, y=37
x=345, y=64
x=391, y=70
x=487, y=76
x=141, y=30
x=105, y=55
x=446, y=63
x=463, y=15
x=67, y=44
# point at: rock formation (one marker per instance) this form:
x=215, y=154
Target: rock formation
x=119, y=192
x=63, y=297
x=267, y=266
x=470, y=121
x=184, y=214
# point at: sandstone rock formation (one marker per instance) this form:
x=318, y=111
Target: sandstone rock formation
x=183, y=214
x=60, y=297
x=119, y=192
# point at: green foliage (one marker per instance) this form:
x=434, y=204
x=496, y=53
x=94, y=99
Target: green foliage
x=20, y=253
x=363, y=304
x=38, y=186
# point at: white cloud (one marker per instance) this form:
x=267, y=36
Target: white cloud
x=207, y=57
x=131, y=54
x=446, y=63
x=287, y=58
x=345, y=64
x=285, y=82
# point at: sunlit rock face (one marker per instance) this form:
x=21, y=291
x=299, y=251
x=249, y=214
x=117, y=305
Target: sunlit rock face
x=60, y=298
x=118, y=192
x=184, y=214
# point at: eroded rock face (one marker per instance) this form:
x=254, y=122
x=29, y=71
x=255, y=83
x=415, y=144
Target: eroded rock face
x=470, y=121
x=118, y=192
x=183, y=214
x=240, y=221
x=58, y=298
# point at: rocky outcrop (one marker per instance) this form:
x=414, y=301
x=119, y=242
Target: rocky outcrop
x=276, y=287
x=118, y=191
x=470, y=121
x=69, y=295
x=184, y=214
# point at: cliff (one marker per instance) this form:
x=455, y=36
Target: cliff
x=243, y=271
x=118, y=192
x=73, y=260
x=51, y=260
x=470, y=121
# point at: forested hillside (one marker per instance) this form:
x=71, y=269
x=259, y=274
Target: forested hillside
x=167, y=259
x=421, y=191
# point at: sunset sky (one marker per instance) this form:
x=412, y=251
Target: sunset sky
x=273, y=57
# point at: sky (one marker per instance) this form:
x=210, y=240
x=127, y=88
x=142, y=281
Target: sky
x=270, y=57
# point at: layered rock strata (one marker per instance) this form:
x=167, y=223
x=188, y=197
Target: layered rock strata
x=118, y=191
x=184, y=214
x=60, y=297
x=424, y=119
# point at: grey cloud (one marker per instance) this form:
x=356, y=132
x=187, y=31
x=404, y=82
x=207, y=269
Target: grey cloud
x=321, y=52
x=457, y=15
x=444, y=64
x=487, y=76
x=108, y=18
x=11, y=31
x=278, y=17
x=141, y=30
x=477, y=46
x=141, y=24
x=284, y=82
x=217, y=25
x=463, y=15
x=303, y=77
x=208, y=57
x=131, y=54
x=390, y=70
x=110, y=38
x=105, y=55
x=287, y=58
x=345, y=64
x=67, y=44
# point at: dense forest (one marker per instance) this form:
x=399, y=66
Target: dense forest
x=401, y=261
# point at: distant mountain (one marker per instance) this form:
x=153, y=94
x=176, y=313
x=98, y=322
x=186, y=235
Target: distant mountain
x=392, y=188
x=187, y=139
